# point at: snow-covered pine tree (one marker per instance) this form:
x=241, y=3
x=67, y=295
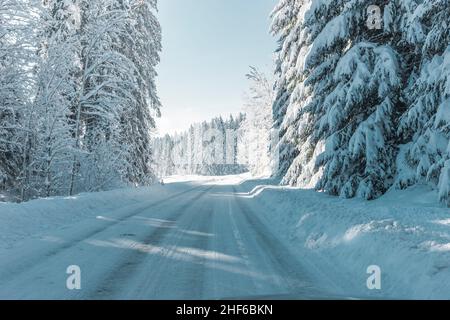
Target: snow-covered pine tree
x=56, y=87
x=207, y=148
x=163, y=164
x=77, y=94
x=17, y=82
x=141, y=45
x=425, y=126
x=258, y=123
x=113, y=113
x=285, y=18
x=197, y=148
x=343, y=99
x=105, y=81
x=11, y=99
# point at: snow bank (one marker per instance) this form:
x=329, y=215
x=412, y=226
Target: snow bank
x=405, y=233
x=33, y=218
x=19, y=221
x=209, y=180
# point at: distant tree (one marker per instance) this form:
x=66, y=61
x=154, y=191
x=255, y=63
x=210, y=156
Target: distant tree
x=207, y=148
x=256, y=128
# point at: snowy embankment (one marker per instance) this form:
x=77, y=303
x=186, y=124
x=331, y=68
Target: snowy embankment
x=19, y=221
x=405, y=233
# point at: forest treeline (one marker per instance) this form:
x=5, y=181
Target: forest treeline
x=224, y=146
x=77, y=94
x=362, y=95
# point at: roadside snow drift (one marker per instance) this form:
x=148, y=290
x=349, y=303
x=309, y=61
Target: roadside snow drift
x=405, y=233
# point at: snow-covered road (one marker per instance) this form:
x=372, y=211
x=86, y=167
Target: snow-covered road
x=225, y=237
x=201, y=240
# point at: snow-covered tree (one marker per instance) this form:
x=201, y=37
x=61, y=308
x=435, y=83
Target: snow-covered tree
x=141, y=45
x=357, y=126
x=112, y=111
x=343, y=84
x=285, y=26
x=46, y=170
x=77, y=94
x=346, y=83
x=17, y=85
x=425, y=126
x=207, y=148
x=256, y=129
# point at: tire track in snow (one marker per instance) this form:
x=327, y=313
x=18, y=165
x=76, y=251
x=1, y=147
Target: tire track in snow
x=288, y=268
x=32, y=262
x=193, y=274
x=111, y=284
x=241, y=246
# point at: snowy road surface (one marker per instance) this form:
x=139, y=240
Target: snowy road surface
x=201, y=240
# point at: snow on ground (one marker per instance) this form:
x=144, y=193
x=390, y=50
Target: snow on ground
x=20, y=221
x=406, y=233
x=209, y=180
x=33, y=218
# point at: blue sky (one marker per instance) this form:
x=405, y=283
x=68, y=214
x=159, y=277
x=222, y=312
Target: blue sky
x=208, y=46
